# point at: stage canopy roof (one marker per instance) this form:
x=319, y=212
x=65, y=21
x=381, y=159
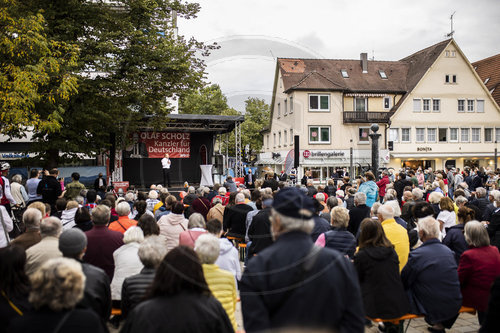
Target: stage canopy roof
x=201, y=123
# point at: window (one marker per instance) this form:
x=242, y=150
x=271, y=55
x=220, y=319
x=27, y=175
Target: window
x=453, y=53
x=291, y=136
x=464, y=134
x=487, y=80
x=454, y=79
x=446, y=53
x=286, y=108
x=488, y=135
x=417, y=105
x=470, y=105
x=436, y=105
x=363, y=135
x=405, y=134
x=442, y=134
x=344, y=73
x=274, y=140
x=461, y=105
x=285, y=137
x=450, y=78
x=360, y=104
x=447, y=78
x=431, y=135
x=420, y=134
x=394, y=134
x=279, y=110
x=453, y=134
x=476, y=135
x=319, y=103
x=291, y=104
x=279, y=139
x=387, y=103
x=427, y=105
x=480, y=106
x=319, y=134
x=382, y=74
x=497, y=134
x=267, y=141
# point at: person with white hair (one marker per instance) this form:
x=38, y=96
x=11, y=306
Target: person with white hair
x=18, y=191
x=196, y=227
x=123, y=222
x=397, y=213
x=152, y=200
x=478, y=268
x=431, y=279
x=48, y=248
x=127, y=262
x=288, y=284
x=151, y=253
x=358, y=213
x=396, y=234
x=221, y=282
x=190, y=197
x=234, y=220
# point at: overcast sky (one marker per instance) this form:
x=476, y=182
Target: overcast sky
x=253, y=33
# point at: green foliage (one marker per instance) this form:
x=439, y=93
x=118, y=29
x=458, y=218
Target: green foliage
x=130, y=63
x=206, y=100
x=34, y=69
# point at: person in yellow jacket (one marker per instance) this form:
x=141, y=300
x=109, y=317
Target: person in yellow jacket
x=396, y=234
x=221, y=283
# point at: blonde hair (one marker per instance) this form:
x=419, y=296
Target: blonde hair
x=340, y=217
x=57, y=284
x=40, y=206
x=71, y=204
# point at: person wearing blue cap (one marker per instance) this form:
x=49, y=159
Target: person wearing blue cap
x=293, y=283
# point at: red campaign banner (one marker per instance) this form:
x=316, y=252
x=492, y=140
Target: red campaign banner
x=177, y=145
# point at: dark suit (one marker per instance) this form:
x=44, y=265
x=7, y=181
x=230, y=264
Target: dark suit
x=277, y=291
x=234, y=220
x=248, y=180
x=356, y=215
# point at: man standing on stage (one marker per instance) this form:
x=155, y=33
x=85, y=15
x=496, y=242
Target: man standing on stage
x=165, y=163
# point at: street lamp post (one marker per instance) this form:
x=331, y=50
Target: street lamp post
x=375, y=153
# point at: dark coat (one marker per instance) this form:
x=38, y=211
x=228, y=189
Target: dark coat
x=320, y=226
x=399, y=186
x=96, y=185
x=477, y=181
x=259, y=231
x=494, y=228
x=383, y=293
x=491, y=322
x=97, y=292
x=45, y=320
x=186, y=313
x=276, y=291
x=480, y=203
x=311, y=191
x=101, y=243
x=349, y=202
x=488, y=212
x=330, y=190
x=356, y=215
x=455, y=240
x=234, y=220
x=134, y=288
x=201, y=205
x=272, y=183
x=341, y=240
x=50, y=189
x=431, y=280
x=7, y=313
x=478, y=268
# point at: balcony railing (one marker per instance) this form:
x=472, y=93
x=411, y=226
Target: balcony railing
x=366, y=117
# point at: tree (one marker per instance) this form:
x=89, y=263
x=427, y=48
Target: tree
x=34, y=69
x=206, y=100
x=130, y=63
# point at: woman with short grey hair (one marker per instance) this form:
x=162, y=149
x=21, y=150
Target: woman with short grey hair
x=478, y=268
x=151, y=253
x=18, y=191
x=196, y=227
x=56, y=288
x=338, y=237
x=127, y=262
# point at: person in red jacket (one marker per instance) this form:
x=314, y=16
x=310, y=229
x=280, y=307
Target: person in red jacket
x=382, y=183
x=478, y=268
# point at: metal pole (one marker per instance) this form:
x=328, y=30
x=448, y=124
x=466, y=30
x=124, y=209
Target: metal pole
x=375, y=153
x=496, y=159
x=351, y=175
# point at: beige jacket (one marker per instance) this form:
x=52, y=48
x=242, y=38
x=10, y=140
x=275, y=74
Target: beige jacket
x=216, y=212
x=39, y=253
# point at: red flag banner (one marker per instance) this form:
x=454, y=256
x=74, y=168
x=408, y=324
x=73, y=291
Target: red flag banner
x=177, y=145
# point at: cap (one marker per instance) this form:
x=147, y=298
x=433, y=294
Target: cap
x=4, y=166
x=72, y=242
x=292, y=202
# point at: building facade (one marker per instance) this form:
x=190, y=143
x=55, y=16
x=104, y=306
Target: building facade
x=431, y=107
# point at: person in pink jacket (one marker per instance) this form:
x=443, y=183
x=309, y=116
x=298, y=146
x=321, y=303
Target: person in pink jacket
x=196, y=227
x=172, y=225
x=382, y=183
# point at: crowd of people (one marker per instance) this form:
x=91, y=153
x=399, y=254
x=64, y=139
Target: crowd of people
x=333, y=256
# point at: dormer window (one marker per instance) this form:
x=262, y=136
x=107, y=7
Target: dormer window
x=382, y=74
x=487, y=80
x=344, y=73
